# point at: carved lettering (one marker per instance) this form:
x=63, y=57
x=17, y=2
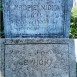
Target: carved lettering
x=33, y=17
x=37, y=7
x=35, y=62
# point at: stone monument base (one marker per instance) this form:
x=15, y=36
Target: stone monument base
x=37, y=57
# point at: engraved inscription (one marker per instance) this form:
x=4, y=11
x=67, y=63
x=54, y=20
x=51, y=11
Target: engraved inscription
x=36, y=60
x=36, y=17
x=36, y=7
x=43, y=61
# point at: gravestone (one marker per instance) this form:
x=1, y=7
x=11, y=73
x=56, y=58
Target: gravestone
x=37, y=18
x=38, y=58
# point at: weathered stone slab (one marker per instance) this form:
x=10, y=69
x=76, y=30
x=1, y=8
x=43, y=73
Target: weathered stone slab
x=37, y=18
x=39, y=58
x=2, y=47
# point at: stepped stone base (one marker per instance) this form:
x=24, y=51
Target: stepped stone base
x=37, y=57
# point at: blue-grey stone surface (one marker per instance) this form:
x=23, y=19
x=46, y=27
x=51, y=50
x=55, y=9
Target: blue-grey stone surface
x=38, y=58
x=37, y=18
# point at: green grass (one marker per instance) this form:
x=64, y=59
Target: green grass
x=73, y=30
x=74, y=11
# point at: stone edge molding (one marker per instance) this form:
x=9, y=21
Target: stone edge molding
x=19, y=41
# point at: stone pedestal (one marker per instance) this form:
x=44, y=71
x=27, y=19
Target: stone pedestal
x=41, y=56
x=38, y=58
